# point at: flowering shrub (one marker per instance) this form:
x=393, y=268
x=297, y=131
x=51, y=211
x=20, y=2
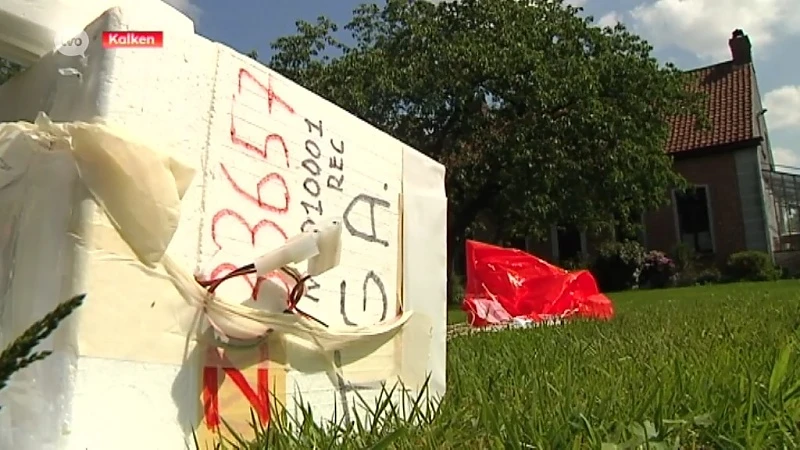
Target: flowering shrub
x=658, y=270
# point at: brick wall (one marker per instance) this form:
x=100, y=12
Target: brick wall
x=718, y=172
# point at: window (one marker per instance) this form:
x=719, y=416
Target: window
x=790, y=219
x=693, y=217
x=570, y=243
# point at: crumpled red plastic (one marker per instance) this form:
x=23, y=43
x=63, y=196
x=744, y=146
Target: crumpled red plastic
x=507, y=283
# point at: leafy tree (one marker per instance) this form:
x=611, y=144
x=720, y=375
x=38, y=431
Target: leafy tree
x=539, y=116
x=8, y=70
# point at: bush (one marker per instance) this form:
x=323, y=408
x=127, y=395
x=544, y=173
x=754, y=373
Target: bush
x=752, y=266
x=684, y=258
x=658, y=270
x=708, y=276
x=618, y=265
x=457, y=290
x=574, y=264
x=786, y=273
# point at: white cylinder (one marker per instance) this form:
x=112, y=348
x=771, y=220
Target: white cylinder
x=329, y=242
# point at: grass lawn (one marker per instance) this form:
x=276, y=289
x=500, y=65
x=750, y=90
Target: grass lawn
x=702, y=367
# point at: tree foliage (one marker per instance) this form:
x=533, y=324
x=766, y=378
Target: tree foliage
x=539, y=116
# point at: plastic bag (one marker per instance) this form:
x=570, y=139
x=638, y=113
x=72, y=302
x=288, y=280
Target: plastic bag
x=506, y=283
x=139, y=189
x=38, y=188
x=50, y=176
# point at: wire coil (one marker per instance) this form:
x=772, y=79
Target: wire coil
x=294, y=296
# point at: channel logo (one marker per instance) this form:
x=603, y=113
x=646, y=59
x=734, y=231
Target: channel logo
x=133, y=39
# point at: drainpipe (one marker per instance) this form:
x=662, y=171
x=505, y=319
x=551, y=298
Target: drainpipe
x=763, y=190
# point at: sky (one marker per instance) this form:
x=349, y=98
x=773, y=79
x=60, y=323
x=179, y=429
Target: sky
x=688, y=33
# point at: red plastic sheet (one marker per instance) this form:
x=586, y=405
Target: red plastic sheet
x=506, y=283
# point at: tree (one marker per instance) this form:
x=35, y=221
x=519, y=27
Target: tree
x=8, y=70
x=539, y=116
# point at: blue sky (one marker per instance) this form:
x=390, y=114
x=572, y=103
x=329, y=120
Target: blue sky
x=690, y=33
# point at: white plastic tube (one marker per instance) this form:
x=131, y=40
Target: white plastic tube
x=321, y=247
x=329, y=243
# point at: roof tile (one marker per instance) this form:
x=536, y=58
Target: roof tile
x=729, y=105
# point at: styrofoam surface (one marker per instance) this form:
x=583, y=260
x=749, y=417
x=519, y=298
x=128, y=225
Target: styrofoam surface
x=28, y=27
x=129, y=380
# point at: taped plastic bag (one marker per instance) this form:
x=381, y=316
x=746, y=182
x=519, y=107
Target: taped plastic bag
x=120, y=172
x=37, y=191
x=45, y=170
x=138, y=188
x=252, y=323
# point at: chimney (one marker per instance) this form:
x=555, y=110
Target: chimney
x=740, y=47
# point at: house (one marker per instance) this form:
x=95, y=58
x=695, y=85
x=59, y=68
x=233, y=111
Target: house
x=738, y=201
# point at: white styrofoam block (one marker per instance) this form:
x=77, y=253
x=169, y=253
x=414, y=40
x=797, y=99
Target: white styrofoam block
x=148, y=391
x=118, y=311
x=218, y=111
x=28, y=27
x=425, y=256
x=36, y=215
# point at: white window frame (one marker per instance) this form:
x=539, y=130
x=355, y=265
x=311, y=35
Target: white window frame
x=677, y=221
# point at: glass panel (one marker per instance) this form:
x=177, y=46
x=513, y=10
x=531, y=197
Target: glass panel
x=693, y=219
x=569, y=243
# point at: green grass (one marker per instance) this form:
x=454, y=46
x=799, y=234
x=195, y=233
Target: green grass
x=703, y=367
x=456, y=315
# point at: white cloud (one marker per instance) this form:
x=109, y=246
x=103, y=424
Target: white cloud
x=786, y=157
x=783, y=106
x=610, y=20
x=703, y=27
x=187, y=7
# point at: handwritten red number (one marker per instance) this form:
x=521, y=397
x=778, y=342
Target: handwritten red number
x=272, y=179
x=272, y=97
x=260, y=151
x=253, y=231
x=253, y=283
x=257, y=398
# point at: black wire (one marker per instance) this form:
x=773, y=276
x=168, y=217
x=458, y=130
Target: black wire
x=311, y=317
x=296, y=294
